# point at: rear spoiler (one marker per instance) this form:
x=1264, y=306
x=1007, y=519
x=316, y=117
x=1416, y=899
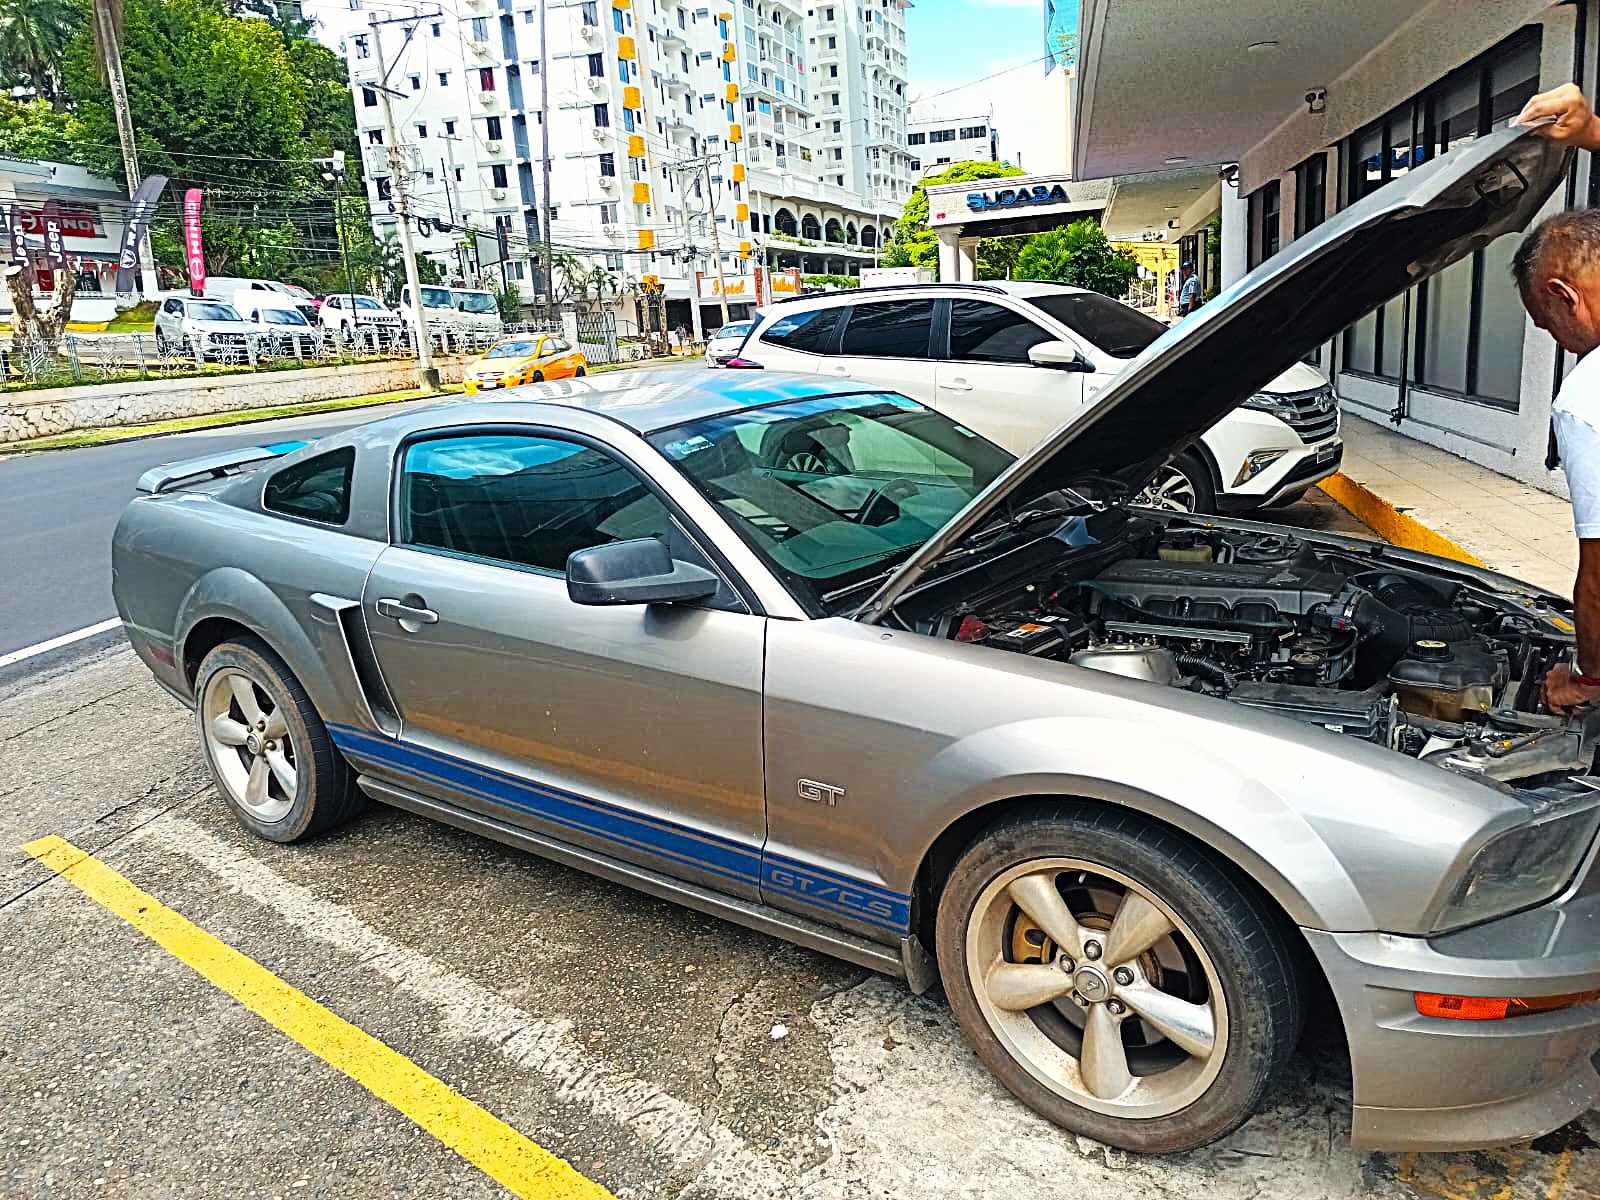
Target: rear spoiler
x=211, y=466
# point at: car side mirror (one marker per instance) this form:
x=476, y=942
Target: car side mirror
x=1059, y=356
x=640, y=571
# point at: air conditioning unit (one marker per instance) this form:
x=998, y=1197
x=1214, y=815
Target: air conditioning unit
x=611, y=230
x=602, y=133
x=608, y=183
x=377, y=160
x=488, y=100
x=597, y=84
x=481, y=49
x=497, y=193
x=493, y=147
x=591, y=34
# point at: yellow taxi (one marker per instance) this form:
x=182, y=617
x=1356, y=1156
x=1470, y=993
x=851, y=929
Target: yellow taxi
x=525, y=358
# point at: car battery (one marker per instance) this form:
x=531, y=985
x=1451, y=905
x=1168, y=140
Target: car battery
x=1034, y=636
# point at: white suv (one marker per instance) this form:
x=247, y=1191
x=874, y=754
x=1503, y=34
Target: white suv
x=1013, y=360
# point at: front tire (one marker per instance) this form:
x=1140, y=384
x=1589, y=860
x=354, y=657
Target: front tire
x=1118, y=981
x=269, y=752
x=538, y=377
x=1183, y=485
x=581, y=372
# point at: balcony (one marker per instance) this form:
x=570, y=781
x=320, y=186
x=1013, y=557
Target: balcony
x=675, y=81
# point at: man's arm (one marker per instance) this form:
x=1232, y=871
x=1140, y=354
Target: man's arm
x=1562, y=691
x=1575, y=121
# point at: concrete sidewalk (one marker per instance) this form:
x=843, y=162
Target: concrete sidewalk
x=1420, y=496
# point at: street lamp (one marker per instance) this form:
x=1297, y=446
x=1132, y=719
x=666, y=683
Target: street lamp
x=333, y=174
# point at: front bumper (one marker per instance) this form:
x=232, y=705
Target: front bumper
x=1292, y=473
x=1427, y=1083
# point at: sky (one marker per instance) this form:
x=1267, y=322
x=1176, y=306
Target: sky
x=992, y=53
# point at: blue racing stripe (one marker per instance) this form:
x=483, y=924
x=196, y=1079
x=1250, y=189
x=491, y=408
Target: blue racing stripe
x=714, y=853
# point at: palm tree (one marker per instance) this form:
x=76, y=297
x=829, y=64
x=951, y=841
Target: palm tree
x=573, y=274
x=34, y=35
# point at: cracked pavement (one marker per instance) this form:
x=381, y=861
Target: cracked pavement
x=664, y=1053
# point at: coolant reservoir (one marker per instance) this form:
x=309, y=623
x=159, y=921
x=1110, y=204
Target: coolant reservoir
x=1448, y=682
x=1184, y=547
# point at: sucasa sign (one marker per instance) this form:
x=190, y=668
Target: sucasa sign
x=1012, y=197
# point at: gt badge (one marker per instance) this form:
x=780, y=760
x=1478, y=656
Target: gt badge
x=818, y=793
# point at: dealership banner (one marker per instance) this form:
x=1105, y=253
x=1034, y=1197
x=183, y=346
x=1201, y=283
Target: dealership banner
x=143, y=204
x=55, y=246
x=191, y=241
x=17, y=235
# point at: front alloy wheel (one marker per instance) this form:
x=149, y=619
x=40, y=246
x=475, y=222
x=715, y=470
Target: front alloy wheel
x=1116, y=978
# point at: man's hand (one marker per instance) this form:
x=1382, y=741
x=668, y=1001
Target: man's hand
x=1575, y=122
x=1563, y=694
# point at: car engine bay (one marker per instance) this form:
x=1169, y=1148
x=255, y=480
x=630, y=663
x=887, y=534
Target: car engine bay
x=1433, y=667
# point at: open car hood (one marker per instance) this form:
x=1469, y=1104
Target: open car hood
x=1193, y=375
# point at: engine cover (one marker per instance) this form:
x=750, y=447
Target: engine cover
x=1253, y=593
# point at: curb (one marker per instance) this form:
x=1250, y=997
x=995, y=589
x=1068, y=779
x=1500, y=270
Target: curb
x=1389, y=523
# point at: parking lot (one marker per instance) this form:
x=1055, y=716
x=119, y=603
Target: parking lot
x=659, y=1052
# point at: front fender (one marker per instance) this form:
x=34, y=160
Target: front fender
x=1185, y=786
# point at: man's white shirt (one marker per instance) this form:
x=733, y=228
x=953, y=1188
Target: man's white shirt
x=1577, y=424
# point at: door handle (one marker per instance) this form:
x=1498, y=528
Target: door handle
x=957, y=385
x=838, y=371
x=404, y=612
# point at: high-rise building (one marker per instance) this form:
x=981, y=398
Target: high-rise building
x=936, y=142
x=797, y=114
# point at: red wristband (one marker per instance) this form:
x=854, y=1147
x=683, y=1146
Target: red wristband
x=1588, y=681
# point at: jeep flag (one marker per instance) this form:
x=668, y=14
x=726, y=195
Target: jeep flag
x=192, y=245
x=17, y=234
x=139, y=210
x=55, y=246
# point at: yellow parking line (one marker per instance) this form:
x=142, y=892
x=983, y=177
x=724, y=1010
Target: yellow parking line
x=488, y=1143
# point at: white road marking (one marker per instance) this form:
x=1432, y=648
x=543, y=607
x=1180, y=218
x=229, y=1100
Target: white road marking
x=55, y=643
x=468, y=1011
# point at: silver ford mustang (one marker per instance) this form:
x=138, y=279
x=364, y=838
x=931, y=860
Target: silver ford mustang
x=1136, y=788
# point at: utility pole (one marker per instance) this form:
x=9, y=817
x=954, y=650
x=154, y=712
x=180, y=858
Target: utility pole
x=110, y=40
x=694, y=286
x=335, y=175
x=716, y=241
x=546, y=220
x=427, y=372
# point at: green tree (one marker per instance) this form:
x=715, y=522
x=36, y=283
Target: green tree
x=216, y=99
x=34, y=36
x=915, y=245
x=1080, y=255
x=34, y=129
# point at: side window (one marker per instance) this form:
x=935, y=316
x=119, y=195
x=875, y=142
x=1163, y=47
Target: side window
x=812, y=331
x=895, y=330
x=525, y=500
x=172, y=306
x=317, y=489
x=984, y=332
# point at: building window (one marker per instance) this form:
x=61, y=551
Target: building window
x=458, y=174
x=363, y=49
x=1466, y=323
x=942, y=135
x=608, y=214
x=529, y=17
x=374, y=137
x=608, y=165
x=974, y=131
x=616, y=22
x=449, y=129
x=486, y=78
x=422, y=129
x=602, y=116
x=1265, y=234
x=497, y=175
x=1310, y=194
x=492, y=128
x=444, y=78
x=480, y=29
x=369, y=98
x=416, y=83
x=916, y=139
x=438, y=30
x=597, y=65
x=916, y=164
x=590, y=11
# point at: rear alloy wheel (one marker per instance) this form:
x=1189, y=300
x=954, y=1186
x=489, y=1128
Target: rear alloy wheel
x=1115, y=980
x=538, y=377
x=1183, y=485
x=268, y=750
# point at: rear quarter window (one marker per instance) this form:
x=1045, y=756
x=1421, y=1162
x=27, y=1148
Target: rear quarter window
x=316, y=490
x=814, y=331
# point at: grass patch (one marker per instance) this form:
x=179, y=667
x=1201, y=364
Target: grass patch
x=245, y=416
x=141, y=318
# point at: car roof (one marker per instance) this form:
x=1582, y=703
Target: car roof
x=642, y=400
x=1020, y=288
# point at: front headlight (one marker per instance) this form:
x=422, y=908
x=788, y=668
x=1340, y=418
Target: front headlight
x=1256, y=462
x=1271, y=402
x=1524, y=866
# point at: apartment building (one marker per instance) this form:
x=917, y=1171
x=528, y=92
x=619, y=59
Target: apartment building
x=636, y=92
x=936, y=142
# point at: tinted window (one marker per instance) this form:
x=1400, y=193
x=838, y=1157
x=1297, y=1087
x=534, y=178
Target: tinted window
x=530, y=501
x=1102, y=321
x=210, y=310
x=517, y=349
x=317, y=489
x=896, y=330
x=984, y=332
x=367, y=304
x=811, y=331
x=476, y=302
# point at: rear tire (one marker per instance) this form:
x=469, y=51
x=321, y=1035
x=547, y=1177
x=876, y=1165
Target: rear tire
x=538, y=377
x=1163, y=1027
x=580, y=373
x=269, y=752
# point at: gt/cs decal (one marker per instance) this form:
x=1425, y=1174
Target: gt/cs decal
x=818, y=792
x=831, y=895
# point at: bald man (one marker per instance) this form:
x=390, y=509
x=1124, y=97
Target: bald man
x=1557, y=269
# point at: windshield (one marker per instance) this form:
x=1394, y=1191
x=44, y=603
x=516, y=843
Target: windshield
x=476, y=302
x=212, y=310
x=1109, y=324
x=437, y=297
x=282, y=316
x=829, y=491
x=736, y=329
x=521, y=348
x=367, y=302
x=294, y=289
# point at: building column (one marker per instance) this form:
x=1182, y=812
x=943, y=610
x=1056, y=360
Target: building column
x=1235, y=234
x=949, y=256
x=968, y=257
